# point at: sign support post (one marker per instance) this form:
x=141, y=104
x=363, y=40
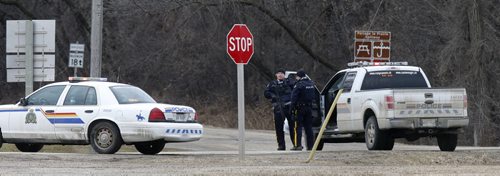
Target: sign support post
x=75, y=68
x=29, y=57
x=241, y=109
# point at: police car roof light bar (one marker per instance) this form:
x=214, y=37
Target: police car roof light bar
x=79, y=79
x=365, y=64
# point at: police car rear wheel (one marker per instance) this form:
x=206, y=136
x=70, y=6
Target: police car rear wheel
x=105, y=138
x=23, y=147
x=150, y=148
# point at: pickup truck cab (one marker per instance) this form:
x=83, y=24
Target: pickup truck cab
x=384, y=101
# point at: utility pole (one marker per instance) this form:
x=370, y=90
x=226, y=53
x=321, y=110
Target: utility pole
x=96, y=39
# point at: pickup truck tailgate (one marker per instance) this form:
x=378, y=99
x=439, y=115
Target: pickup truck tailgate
x=430, y=103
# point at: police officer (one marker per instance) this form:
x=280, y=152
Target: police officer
x=303, y=94
x=279, y=91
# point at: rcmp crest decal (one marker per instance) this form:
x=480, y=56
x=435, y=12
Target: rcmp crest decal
x=30, y=117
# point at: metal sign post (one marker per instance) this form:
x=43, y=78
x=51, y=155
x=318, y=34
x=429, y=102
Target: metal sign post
x=241, y=109
x=29, y=57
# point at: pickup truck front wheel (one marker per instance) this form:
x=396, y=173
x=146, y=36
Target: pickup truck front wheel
x=23, y=147
x=447, y=142
x=375, y=138
x=321, y=142
x=1, y=140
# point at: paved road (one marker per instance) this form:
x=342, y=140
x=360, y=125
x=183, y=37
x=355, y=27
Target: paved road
x=216, y=154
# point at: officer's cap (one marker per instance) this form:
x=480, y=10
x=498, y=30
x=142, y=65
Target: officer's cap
x=301, y=73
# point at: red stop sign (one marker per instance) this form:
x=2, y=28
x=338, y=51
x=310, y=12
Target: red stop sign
x=240, y=44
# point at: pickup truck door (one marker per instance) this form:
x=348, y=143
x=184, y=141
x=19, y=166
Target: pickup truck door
x=30, y=122
x=79, y=107
x=344, y=104
x=328, y=95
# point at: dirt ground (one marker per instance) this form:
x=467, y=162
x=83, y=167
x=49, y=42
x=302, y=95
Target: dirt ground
x=217, y=154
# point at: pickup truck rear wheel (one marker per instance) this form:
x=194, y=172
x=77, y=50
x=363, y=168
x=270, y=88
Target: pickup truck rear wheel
x=447, y=142
x=105, y=138
x=24, y=147
x=150, y=148
x=375, y=138
x=321, y=143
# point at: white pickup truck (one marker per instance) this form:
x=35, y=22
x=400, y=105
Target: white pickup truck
x=384, y=101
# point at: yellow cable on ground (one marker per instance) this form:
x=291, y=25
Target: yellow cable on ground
x=323, y=126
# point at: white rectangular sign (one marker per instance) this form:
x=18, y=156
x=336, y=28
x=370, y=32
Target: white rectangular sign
x=76, y=55
x=40, y=61
x=77, y=47
x=44, y=36
x=40, y=75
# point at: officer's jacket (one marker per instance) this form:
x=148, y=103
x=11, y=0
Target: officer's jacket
x=303, y=92
x=276, y=88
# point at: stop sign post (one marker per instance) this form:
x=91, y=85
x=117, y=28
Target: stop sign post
x=240, y=48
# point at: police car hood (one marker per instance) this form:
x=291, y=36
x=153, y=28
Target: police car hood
x=8, y=107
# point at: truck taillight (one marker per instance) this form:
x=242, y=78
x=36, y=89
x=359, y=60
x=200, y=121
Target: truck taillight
x=195, y=116
x=156, y=115
x=465, y=102
x=389, y=100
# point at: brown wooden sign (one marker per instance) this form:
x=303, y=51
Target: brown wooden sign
x=372, y=46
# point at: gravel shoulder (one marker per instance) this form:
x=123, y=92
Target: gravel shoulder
x=216, y=154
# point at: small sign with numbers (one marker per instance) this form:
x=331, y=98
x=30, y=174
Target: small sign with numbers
x=76, y=55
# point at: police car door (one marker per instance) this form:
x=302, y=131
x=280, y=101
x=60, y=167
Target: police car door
x=30, y=122
x=344, y=104
x=79, y=106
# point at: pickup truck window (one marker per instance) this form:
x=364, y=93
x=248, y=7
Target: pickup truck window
x=393, y=79
x=348, y=81
x=131, y=95
x=81, y=95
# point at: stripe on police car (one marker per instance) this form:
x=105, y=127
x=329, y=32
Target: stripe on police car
x=66, y=120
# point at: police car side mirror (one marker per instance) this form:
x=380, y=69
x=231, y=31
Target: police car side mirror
x=23, y=102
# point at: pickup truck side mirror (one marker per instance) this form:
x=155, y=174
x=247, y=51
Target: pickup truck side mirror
x=23, y=102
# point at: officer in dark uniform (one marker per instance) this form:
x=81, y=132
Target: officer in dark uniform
x=303, y=94
x=279, y=91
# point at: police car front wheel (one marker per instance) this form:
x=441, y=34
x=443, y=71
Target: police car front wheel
x=105, y=138
x=24, y=147
x=150, y=148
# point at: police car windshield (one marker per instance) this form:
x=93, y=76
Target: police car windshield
x=131, y=95
x=393, y=79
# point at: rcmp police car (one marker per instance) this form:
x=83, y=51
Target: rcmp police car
x=103, y=114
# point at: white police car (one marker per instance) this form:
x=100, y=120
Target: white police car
x=104, y=114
